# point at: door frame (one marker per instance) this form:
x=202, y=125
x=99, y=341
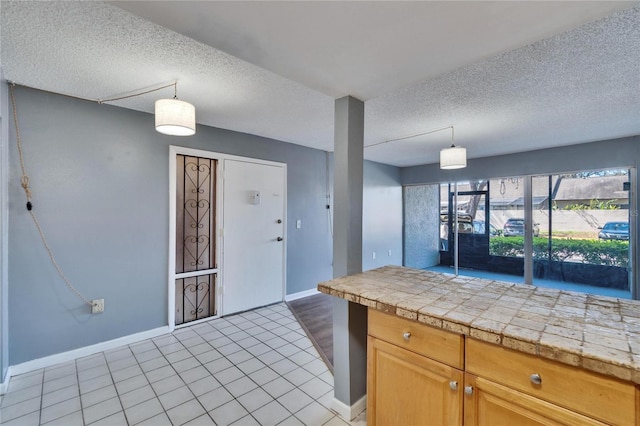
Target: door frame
x=179, y=150
x=454, y=240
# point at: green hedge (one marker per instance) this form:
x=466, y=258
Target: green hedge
x=596, y=252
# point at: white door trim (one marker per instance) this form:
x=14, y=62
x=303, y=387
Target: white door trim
x=173, y=152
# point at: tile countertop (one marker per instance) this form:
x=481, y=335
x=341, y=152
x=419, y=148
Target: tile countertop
x=597, y=333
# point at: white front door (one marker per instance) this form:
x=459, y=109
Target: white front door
x=253, y=235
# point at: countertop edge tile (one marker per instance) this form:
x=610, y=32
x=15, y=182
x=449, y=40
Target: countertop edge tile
x=404, y=313
x=520, y=345
x=442, y=299
x=430, y=320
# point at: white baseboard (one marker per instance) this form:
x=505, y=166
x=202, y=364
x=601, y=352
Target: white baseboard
x=50, y=360
x=349, y=413
x=300, y=294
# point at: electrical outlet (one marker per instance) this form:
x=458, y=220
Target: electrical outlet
x=374, y=255
x=97, y=306
x=389, y=252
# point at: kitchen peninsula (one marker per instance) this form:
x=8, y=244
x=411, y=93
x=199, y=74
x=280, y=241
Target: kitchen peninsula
x=505, y=352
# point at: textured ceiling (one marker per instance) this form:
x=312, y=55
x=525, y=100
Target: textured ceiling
x=366, y=48
x=510, y=76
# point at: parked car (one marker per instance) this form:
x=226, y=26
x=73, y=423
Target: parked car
x=514, y=227
x=614, y=231
x=478, y=228
x=465, y=226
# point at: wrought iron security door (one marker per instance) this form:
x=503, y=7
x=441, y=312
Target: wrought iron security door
x=196, y=269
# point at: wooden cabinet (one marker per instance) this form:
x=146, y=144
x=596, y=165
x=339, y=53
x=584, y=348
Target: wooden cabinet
x=421, y=375
x=404, y=385
x=510, y=384
x=487, y=403
x=434, y=343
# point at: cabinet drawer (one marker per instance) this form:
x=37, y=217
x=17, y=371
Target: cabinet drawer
x=603, y=398
x=437, y=344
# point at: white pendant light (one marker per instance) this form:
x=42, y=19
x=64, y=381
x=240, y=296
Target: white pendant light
x=175, y=117
x=454, y=157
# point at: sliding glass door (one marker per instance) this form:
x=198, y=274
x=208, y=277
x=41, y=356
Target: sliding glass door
x=584, y=240
x=569, y=231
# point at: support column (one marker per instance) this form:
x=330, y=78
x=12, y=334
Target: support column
x=349, y=319
x=528, y=228
x=634, y=260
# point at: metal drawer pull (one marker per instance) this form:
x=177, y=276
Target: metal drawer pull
x=406, y=335
x=536, y=379
x=453, y=385
x=468, y=390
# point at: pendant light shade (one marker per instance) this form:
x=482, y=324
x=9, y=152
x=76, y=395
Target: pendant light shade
x=454, y=157
x=175, y=117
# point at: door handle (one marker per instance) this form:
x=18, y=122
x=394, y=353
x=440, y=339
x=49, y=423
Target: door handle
x=279, y=239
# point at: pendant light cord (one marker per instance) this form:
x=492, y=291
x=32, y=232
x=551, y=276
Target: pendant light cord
x=24, y=181
x=415, y=135
x=102, y=101
x=175, y=91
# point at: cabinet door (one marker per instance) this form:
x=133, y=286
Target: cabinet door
x=404, y=388
x=487, y=404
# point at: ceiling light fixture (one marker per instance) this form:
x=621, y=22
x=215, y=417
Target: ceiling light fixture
x=175, y=117
x=454, y=157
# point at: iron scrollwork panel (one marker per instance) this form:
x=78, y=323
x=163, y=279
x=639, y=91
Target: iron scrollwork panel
x=195, y=298
x=196, y=208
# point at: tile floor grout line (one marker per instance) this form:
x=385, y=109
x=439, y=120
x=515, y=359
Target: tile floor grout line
x=133, y=354
x=185, y=384
x=212, y=375
x=113, y=383
x=41, y=398
x=236, y=398
x=75, y=364
x=281, y=354
x=274, y=399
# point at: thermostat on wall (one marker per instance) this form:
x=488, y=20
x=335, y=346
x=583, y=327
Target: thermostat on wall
x=255, y=197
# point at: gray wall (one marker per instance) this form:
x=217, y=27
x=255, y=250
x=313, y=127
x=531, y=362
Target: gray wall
x=382, y=213
x=382, y=216
x=100, y=177
x=421, y=226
